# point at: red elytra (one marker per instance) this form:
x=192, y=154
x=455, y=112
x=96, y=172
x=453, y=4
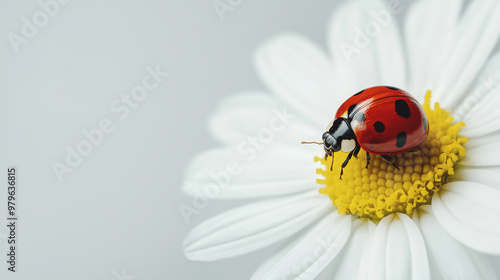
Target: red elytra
x=385, y=120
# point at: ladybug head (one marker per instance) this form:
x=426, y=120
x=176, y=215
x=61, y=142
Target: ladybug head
x=331, y=144
x=339, y=136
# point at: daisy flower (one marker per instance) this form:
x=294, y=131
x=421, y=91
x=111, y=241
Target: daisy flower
x=437, y=217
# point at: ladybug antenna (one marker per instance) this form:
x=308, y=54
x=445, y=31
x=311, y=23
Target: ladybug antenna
x=303, y=142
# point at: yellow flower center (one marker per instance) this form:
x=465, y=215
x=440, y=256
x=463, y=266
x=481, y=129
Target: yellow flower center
x=380, y=189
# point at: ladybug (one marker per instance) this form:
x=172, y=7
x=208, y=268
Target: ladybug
x=382, y=120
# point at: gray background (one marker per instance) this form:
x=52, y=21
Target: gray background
x=119, y=207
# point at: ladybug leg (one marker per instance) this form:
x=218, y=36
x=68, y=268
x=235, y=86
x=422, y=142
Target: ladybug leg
x=390, y=160
x=345, y=163
x=367, y=159
x=356, y=151
x=416, y=150
x=331, y=166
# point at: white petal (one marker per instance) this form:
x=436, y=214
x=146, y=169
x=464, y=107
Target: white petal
x=477, y=175
x=243, y=115
x=398, y=250
x=428, y=28
x=478, y=109
x=492, y=168
x=448, y=258
x=301, y=75
x=486, y=126
x=462, y=197
x=365, y=261
x=310, y=253
x=254, y=226
x=475, y=39
x=480, y=141
x=469, y=212
x=260, y=116
x=366, y=45
x=419, y=259
x=482, y=151
x=220, y=174
x=378, y=249
x=353, y=260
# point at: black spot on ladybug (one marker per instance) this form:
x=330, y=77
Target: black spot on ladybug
x=402, y=108
x=379, y=127
x=350, y=111
x=359, y=93
x=401, y=139
x=392, y=88
x=426, y=123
